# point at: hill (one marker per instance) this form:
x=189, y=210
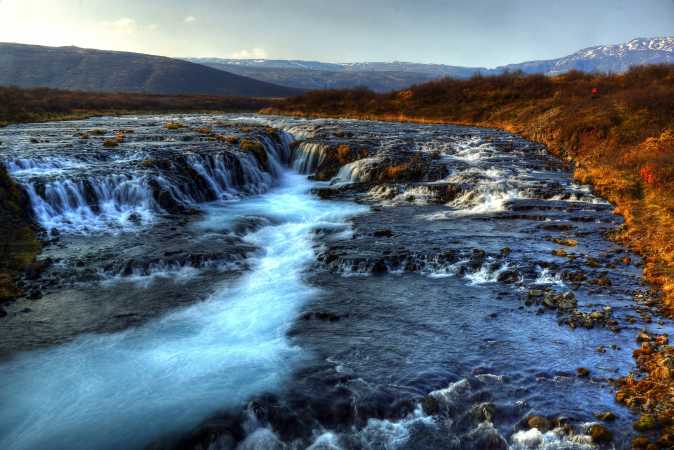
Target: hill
x=311, y=75
x=73, y=68
x=605, y=58
x=390, y=76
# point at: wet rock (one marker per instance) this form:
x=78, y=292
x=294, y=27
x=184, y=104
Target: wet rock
x=477, y=258
x=599, y=434
x=645, y=423
x=559, y=252
x=509, y=276
x=606, y=416
x=565, y=242
x=35, y=269
x=539, y=422
x=383, y=233
x=3, y=312
x=643, y=336
x=430, y=405
x=321, y=315
x=484, y=411
x=505, y=251
x=565, y=301
x=535, y=293
x=582, y=372
x=34, y=294
x=640, y=442
x=574, y=277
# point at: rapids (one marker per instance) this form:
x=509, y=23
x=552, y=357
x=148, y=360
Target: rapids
x=197, y=295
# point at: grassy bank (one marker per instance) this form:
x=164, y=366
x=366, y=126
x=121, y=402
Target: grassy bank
x=617, y=131
x=40, y=105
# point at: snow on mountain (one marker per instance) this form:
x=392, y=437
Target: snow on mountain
x=387, y=76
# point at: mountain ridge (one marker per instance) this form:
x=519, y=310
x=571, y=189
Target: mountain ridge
x=388, y=76
x=91, y=70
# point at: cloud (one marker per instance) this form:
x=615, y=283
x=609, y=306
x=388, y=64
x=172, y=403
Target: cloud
x=153, y=27
x=254, y=53
x=190, y=19
x=125, y=25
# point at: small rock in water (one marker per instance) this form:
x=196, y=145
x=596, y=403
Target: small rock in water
x=539, y=422
x=509, y=276
x=582, y=372
x=383, y=233
x=643, y=336
x=645, y=423
x=35, y=294
x=3, y=313
x=606, y=416
x=599, y=434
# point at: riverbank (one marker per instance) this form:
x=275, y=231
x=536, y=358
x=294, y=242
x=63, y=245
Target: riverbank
x=616, y=133
x=42, y=104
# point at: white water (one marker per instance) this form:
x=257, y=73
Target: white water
x=123, y=390
x=118, y=198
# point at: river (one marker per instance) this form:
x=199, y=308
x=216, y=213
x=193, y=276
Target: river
x=198, y=296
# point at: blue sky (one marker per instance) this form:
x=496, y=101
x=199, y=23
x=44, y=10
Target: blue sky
x=472, y=33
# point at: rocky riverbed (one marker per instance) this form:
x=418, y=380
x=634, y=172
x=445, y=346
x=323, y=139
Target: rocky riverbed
x=261, y=282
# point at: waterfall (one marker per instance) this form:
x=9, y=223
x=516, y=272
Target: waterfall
x=73, y=196
x=93, y=203
x=308, y=156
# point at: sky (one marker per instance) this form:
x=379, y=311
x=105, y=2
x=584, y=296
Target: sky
x=484, y=33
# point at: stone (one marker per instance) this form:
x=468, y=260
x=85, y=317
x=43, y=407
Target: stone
x=582, y=372
x=599, y=434
x=509, y=276
x=34, y=294
x=606, y=416
x=539, y=422
x=383, y=233
x=645, y=423
x=643, y=336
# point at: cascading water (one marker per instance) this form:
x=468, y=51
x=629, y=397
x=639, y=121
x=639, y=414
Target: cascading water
x=231, y=317
x=308, y=156
x=92, y=204
x=123, y=390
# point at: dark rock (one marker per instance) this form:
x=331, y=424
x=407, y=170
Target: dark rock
x=582, y=372
x=34, y=294
x=383, y=233
x=539, y=422
x=509, y=276
x=600, y=434
x=3, y=313
x=606, y=416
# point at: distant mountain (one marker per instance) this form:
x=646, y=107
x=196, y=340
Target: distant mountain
x=76, y=68
x=605, y=58
x=378, y=76
x=389, y=76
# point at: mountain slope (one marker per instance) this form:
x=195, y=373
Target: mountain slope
x=326, y=79
x=378, y=76
x=388, y=76
x=75, y=68
x=605, y=58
